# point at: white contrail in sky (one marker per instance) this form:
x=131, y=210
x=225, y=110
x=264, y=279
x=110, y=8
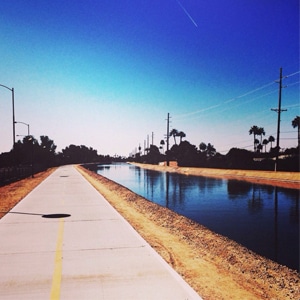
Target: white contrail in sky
x=185, y=11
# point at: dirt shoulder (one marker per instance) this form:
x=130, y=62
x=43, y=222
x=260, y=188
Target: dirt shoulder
x=13, y=193
x=283, y=179
x=216, y=267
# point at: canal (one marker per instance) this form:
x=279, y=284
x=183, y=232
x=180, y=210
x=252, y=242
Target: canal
x=262, y=218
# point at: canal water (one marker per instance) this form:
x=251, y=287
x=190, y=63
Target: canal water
x=263, y=218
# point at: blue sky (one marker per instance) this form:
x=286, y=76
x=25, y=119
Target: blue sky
x=105, y=73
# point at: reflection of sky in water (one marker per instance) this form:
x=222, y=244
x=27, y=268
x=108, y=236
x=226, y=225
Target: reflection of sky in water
x=262, y=218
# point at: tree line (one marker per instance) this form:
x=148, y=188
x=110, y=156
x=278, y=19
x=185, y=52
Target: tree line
x=259, y=144
x=42, y=154
x=206, y=156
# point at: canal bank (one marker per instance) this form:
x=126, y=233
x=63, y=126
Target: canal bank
x=282, y=179
x=262, y=218
x=213, y=265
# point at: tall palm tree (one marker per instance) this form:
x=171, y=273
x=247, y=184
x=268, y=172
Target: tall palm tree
x=261, y=132
x=296, y=123
x=256, y=143
x=181, y=134
x=259, y=147
x=265, y=143
x=255, y=131
x=271, y=140
x=174, y=133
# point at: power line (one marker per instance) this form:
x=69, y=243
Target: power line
x=259, y=115
x=238, y=97
x=290, y=75
x=287, y=131
x=294, y=83
x=225, y=102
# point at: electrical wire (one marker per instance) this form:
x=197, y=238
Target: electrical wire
x=232, y=103
x=181, y=116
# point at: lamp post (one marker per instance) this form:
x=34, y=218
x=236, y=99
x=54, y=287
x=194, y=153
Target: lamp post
x=30, y=138
x=13, y=111
x=28, y=130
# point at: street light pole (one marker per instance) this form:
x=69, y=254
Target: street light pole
x=28, y=130
x=13, y=111
x=30, y=138
x=168, y=135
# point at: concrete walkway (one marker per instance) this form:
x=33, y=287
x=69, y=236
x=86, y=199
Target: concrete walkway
x=64, y=241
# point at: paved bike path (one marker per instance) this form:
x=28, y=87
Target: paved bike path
x=65, y=241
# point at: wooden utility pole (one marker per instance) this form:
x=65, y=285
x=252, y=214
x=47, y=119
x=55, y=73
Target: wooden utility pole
x=278, y=110
x=168, y=130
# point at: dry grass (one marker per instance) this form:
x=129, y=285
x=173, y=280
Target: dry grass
x=13, y=193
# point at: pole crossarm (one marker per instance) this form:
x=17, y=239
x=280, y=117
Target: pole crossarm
x=277, y=110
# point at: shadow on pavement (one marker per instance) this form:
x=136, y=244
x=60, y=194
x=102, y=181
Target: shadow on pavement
x=48, y=216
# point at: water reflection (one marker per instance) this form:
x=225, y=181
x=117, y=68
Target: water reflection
x=262, y=218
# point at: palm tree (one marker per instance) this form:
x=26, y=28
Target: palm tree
x=259, y=147
x=174, y=133
x=271, y=140
x=181, y=134
x=296, y=123
x=255, y=131
x=261, y=132
x=256, y=144
x=265, y=143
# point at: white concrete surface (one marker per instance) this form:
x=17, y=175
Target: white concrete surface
x=91, y=254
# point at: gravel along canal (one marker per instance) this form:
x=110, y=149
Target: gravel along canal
x=262, y=218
